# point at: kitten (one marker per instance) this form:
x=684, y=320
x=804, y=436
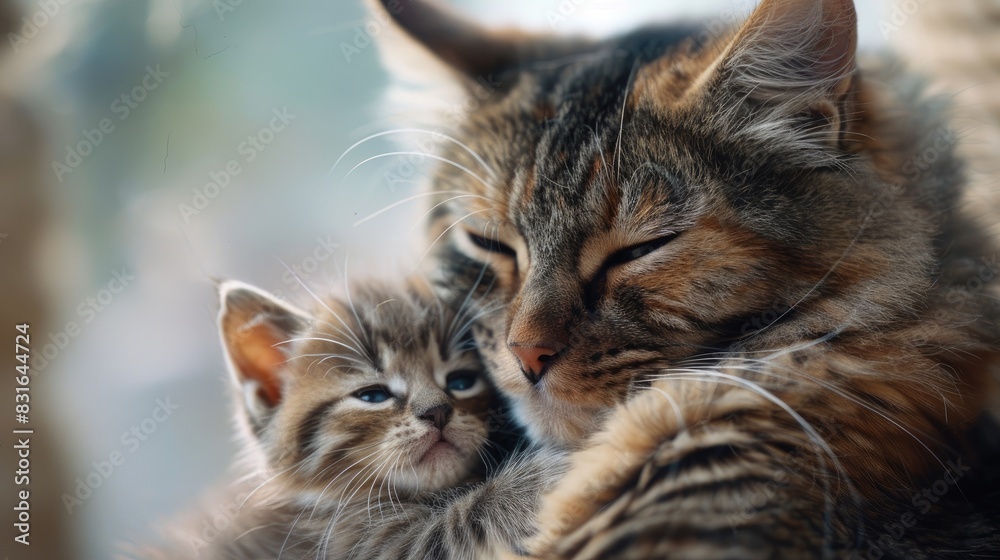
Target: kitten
x=368, y=426
x=733, y=275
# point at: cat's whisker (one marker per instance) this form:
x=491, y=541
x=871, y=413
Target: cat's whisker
x=354, y=338
x=840, y=392
x=411, y=199
x=438, y=205
x=621, y=125
x=445, y=232
x=820, y=282
x=354, y=310
x=434, y=157
x=479, y=315
x=451, y=334
x=344, y=330
x=451, y=139
x=681, y=422
x=814, y=436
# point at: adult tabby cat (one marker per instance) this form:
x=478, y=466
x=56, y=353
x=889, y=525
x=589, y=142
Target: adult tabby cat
x=368, y=431
x=736, y=277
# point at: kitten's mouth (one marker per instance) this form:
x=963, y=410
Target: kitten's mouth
x=438, y=448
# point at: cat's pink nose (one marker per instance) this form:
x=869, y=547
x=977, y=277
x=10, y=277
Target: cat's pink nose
x=534, y=359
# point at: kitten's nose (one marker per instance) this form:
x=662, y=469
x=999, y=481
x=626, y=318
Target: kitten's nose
x=534, y=359
x=438, y=415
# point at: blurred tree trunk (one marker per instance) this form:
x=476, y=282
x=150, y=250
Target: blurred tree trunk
x=24, y=216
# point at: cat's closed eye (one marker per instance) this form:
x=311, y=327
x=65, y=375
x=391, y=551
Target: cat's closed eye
x=373, y=395
x=594, y=290
x=636, y=252
x=492, y=245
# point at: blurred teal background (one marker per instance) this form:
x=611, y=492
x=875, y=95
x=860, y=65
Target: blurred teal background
x=199, y=77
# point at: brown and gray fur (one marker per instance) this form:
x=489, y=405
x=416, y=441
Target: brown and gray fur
x=768, y=326
x=331, y=476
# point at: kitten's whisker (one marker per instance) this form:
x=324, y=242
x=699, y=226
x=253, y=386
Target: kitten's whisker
x=262, y=484
x=334, y=479
x=361, y=483
x=315, y=338
x=384, y=465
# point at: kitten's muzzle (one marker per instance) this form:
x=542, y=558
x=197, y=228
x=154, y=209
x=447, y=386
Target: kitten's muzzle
x=438, y=416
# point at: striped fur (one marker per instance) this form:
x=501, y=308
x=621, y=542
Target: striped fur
x=749, y=254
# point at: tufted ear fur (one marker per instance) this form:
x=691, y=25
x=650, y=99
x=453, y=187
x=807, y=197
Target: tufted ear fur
x=795, y=59
x=256, y=329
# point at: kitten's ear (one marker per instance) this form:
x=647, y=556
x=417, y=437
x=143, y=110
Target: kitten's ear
x=255, y=329
x=422, y=33
x=796, y=57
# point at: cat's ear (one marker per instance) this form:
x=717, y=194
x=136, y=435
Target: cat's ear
x=419, y=36
x=795, y=58
x=256, y=328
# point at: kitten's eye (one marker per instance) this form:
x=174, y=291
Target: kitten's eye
x=462, y=381
x=373, y=395
x=492, y=245
x=636, y=252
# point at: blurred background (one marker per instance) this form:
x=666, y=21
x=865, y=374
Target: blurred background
x=147, y=146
